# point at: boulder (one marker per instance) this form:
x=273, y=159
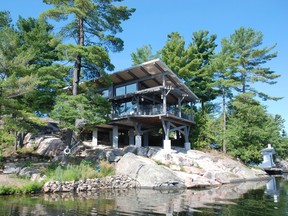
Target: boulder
x=148, y=173
x=50, y=146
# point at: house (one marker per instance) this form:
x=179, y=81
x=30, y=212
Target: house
x=147, y=99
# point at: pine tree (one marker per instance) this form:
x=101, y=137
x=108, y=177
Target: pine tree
x=93, y=24
x=143, y=54
x=245, y=44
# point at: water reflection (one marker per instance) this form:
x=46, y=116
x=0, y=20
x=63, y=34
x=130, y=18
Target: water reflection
x=131, y=202
x=272, y=190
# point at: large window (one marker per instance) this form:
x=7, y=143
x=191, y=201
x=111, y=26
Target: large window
x=125, y=108
x=128, y=89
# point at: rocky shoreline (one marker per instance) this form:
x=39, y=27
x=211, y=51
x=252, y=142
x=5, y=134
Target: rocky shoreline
x=151, y=167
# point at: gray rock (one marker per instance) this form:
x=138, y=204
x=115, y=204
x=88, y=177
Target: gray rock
x=131, y=149
x=118, y=152
x=142, y=151
x=11, y=168
x=147, y=172
x=28, y=171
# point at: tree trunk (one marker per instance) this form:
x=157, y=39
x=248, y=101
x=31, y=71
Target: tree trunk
x=76, y=72
x=224, y=120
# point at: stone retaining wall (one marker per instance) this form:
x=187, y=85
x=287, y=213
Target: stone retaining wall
x=110, y=182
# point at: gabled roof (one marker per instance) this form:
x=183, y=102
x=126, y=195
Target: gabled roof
x=150, y=73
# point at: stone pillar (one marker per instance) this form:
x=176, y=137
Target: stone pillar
x=131, y=137
x=167, y=144
x=115, y=137
x=146, y=140
x=138, y=139
x=95, y=137
x=187, y=145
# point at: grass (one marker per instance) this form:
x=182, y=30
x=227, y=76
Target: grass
x=29, y=188
x=84, y=170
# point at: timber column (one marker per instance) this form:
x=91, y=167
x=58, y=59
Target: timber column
x=115, y=137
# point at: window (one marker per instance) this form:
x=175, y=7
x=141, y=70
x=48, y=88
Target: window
x=120, y=91
x=128, y=89
x=131, y=88
x=126, y=108
x=105, y=93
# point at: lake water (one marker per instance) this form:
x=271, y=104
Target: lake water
x=251, y=198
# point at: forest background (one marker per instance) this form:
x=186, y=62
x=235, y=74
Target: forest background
x=151, y=24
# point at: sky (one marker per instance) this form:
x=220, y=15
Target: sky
x=155, y=19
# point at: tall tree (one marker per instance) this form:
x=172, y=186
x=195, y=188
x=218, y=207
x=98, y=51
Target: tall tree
x=16, y=80
x=245, y=44
x=197, y=73
x=93, y=24
x=224, y=68
x=143, y=54
x=173, y=52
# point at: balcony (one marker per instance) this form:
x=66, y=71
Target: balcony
x=152, y=110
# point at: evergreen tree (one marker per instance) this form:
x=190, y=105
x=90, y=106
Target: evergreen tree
x=93, y=24
x=16, y=80
x=197, y=73
x=250, y=129
x=224, y=69
x=245, y=44
x=173, y=53
x=143, y=54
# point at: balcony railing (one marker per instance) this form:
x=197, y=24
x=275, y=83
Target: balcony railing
x=150, y=110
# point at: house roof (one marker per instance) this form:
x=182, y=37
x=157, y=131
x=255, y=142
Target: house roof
x=150, y=74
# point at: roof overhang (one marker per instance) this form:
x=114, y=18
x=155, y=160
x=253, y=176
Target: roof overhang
x=151, y=74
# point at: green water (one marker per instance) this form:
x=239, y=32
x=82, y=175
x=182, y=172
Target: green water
x=251, y=198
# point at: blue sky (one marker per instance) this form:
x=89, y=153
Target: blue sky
x=155, y=19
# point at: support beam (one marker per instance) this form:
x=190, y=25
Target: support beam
x=167, y=145
x=115, y=137
x=138, y=139
x=95, y=137
x=131, y=137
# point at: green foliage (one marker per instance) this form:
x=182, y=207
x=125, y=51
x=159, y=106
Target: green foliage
x=201, y=135
x=244, y=45
x=84, y=170
x=143, y=54
x=91, y=109
x=29, y=188
x=250, y=129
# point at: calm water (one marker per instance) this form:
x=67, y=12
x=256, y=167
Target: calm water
x=252, y=198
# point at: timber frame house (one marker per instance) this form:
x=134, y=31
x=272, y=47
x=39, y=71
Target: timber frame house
x=145, y=99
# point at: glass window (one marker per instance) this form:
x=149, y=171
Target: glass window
x=120, y=91
x=105, y=93
x=131, y=88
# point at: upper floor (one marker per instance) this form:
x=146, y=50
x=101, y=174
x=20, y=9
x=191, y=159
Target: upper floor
x=147, y=90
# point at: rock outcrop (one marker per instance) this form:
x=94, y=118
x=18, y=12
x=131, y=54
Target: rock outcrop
x=147, y=173
x=45, y=145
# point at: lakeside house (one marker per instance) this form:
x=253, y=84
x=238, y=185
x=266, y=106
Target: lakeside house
x=150, y=104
